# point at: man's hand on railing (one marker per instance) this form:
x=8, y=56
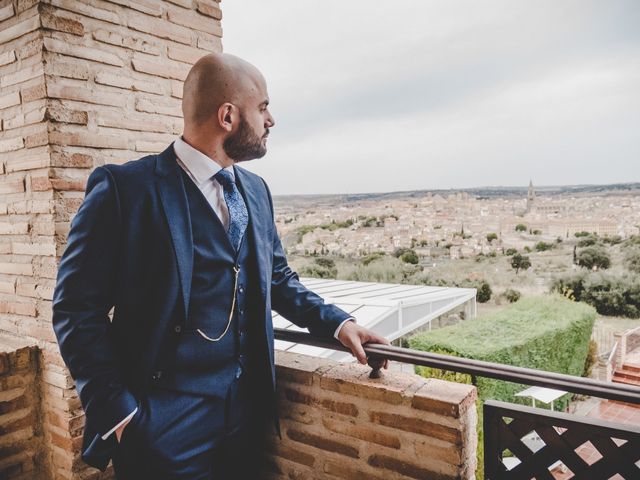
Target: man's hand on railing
x=353, y=336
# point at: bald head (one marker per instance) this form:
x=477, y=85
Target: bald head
x=215, y=79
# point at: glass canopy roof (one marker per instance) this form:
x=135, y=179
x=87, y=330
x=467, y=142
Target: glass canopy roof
x=391, y=310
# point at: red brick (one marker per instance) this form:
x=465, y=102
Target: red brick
x=292, y=454
x=68, y=185
x=36, y=92
x=36, y=140
x=66, y=115
x=161, y=69
x=323, y=443
x=417, y=425
x=74, y=160
x=196, y=22
x=41, y=184
x=29, y=49
x=344, y=471
x=405, y=468
x=209, y=9
x=60, y=441
x=353, y=379
x=15, y=404
x=444, y=398
x=53, y=22
x=16, y=424
x=362, y=432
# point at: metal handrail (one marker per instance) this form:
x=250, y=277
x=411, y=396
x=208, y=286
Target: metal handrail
x=612, y=355
x=509, y=373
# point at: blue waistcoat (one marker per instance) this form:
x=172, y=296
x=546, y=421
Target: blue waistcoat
x=191, y=363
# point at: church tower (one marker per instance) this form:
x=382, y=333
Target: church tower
x=531, y=196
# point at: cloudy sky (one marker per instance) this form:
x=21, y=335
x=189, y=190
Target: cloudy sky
x=372, y=96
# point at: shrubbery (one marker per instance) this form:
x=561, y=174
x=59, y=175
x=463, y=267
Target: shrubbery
x=544, y=246
x=587, y=241
x=320, y=268
x=547, y=333
x=632, y=259
x=609, y=294
x=594, y=257
x=520, y=262
x=483, y=294
x=512, y=295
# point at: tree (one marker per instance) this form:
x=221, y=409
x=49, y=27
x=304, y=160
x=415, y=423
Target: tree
x=512, y=295
x=587, y=241
x=483, y=294
x=410, y=257
x=543, y=246
x=520, y=262
x=632, y=259
x=511, y=251
x=521, y=227
x=594, y=258
x=615, y=240
x=321, y=268
x=491, y=237
x=325, y=262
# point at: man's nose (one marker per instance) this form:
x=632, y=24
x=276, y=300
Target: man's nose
x=270, y=121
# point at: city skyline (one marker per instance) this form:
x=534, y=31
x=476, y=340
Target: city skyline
x=372, y=98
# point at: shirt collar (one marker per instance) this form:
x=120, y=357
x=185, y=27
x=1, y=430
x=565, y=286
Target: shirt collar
x=201, y=167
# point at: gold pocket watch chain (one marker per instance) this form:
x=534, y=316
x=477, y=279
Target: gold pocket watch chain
x=233, y=306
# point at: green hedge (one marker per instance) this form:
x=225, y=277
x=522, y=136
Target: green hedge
x=546, y=332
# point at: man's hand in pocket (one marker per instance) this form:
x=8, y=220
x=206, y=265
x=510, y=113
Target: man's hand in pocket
x=120, y=429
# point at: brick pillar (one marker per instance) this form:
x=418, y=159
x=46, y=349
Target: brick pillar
x=21, y=449
x=82, y=83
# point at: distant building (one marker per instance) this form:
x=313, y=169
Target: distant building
x=531, y=197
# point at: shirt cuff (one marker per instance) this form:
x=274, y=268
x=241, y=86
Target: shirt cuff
x=337, y=332
x=126, y=419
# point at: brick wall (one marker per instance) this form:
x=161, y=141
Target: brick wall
x=21, y=448
x=82, y=83
x=338, y=423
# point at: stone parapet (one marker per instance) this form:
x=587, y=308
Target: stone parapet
x=338, y=423
x=21, y=446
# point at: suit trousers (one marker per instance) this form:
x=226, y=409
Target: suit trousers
x=176, y=435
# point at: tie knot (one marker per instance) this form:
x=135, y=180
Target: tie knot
x=224, y=178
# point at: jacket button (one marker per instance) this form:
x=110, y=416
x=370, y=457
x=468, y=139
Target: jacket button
x=177, y=329
x=241, y=289
x=156, y=375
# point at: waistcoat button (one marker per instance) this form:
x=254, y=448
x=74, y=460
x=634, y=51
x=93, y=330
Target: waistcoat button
x=177, y=329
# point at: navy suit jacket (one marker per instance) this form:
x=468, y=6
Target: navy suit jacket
x=130, y=248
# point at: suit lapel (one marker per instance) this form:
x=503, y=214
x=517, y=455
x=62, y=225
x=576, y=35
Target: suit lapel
x=257, y=219
x=176, y=209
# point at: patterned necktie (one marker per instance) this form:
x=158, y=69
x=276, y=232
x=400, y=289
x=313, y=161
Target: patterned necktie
x=238, y=215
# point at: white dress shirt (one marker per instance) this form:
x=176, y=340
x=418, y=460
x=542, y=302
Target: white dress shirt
x=201, y=169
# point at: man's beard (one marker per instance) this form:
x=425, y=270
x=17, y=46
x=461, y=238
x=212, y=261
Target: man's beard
x=245, y=144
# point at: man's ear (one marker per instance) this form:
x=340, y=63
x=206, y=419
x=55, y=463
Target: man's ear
x=226, y=116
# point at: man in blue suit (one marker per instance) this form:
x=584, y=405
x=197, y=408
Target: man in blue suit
x=180, y=383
